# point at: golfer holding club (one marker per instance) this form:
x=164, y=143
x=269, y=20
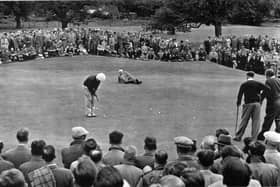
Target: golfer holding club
x=90, y=86
x=251, y=89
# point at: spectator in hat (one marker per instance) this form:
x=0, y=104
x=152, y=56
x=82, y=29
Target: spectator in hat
x=96, y=157
x=236, y=173
x=221, y=131
x=36, y=160
x=21, y=153
x=267, y=174
x=153, y=175
x=88, y=146
x=171, y=181
x=125, y=77
x=90, y=85
x=185, y=151
x=206, y=160
x=59, y=176
x=12, y=178
x=75, y=150
x=127, y=169
x=271, y=154
x=115, y=154
x=223, y=140
x=147, y=159
x=251, y=89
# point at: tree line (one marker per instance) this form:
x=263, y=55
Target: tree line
x=164, y=14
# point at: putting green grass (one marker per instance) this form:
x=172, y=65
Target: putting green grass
x=191, y=99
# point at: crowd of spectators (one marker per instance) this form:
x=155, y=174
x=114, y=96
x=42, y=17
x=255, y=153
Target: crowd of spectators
x=216, y=162
x=249, y=53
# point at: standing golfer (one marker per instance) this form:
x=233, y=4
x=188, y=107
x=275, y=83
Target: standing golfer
x=272, y=103
x=90, y=86
x=251, y=90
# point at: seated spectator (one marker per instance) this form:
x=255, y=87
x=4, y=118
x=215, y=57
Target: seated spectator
x=85, y=173
x=50, y=173
x=128, y=170
x=36, y=160
x=75, y=150
x=116, y=152
x=185, y=151
x=171, y=181
x=21, y=152
x=12, y=178
x=236, y=173
x=126, y=78
x=247, y=141
x=152, y=176
x=110, y=177
x=266, y=174
x=147, y=159
x=175, y=168
x=96, y=157
x=272, y=142
x=206, y=160
x=192, y=177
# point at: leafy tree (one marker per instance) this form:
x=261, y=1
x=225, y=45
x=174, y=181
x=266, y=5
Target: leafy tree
x=20, y=9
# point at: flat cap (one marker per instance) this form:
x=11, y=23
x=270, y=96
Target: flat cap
x=182, y=141
x=78, y=132
x=272, y=136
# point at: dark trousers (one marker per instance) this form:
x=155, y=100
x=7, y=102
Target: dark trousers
x=272, y=114
x=253, y=111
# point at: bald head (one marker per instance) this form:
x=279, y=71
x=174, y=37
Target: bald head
x=171, y=181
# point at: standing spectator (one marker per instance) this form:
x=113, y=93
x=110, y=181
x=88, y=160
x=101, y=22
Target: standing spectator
x=36, y=160
x=85, y=173
x=266, y=174
x=272, y=104
x=75, y=150
x=128, y=170
x=207, y=45
x=116, y=152
x=21, y=152
x=60, y=177
x=154, y=175
x=90, y=86
x=147, y=159
x=4, y=164
x=206, y=160
x=251, y=89
x=185, y=151
x=271, y=154
x=209, y=143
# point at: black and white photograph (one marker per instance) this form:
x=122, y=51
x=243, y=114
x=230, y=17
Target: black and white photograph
x=140, y=93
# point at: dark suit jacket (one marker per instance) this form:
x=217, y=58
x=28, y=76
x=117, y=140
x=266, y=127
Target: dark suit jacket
x=144, y=160
x=63, y=177
x=17, y=155
x=72, y=153
x=5, y=165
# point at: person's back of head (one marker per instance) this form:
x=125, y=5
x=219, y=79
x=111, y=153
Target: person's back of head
x=22, y=135
x=89, y=145
x=175, y=168
x=161, y=157
x=269, y=73
x=109, y=177
x=115, y=138
x=171, y=181
x=37, y=147
x=150, y=143
x=12, y=178
x=48, y=153
x=230, y=151
x=130, y=153
x=206, y=158
x=221, y=131
x=192, y=177
x=208, y=142
x=85, y=172
x=236, y=172
x=95, y=155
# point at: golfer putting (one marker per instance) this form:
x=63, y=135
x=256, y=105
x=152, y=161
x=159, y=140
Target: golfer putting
x=90, y=87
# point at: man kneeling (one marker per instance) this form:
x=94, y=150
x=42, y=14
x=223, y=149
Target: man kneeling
x=126, y=78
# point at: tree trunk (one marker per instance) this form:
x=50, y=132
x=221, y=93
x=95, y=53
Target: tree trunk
x=64, y=24
x=218, y=29
x=18, y=22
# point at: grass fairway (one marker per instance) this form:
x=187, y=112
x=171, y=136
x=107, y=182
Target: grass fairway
x=190, y=98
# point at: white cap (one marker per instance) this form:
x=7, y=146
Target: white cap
x=78, y=132
x=272, y=136
x=101, y=76
x=120, y=70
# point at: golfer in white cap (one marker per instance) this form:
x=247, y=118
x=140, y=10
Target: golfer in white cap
x=90, y=86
